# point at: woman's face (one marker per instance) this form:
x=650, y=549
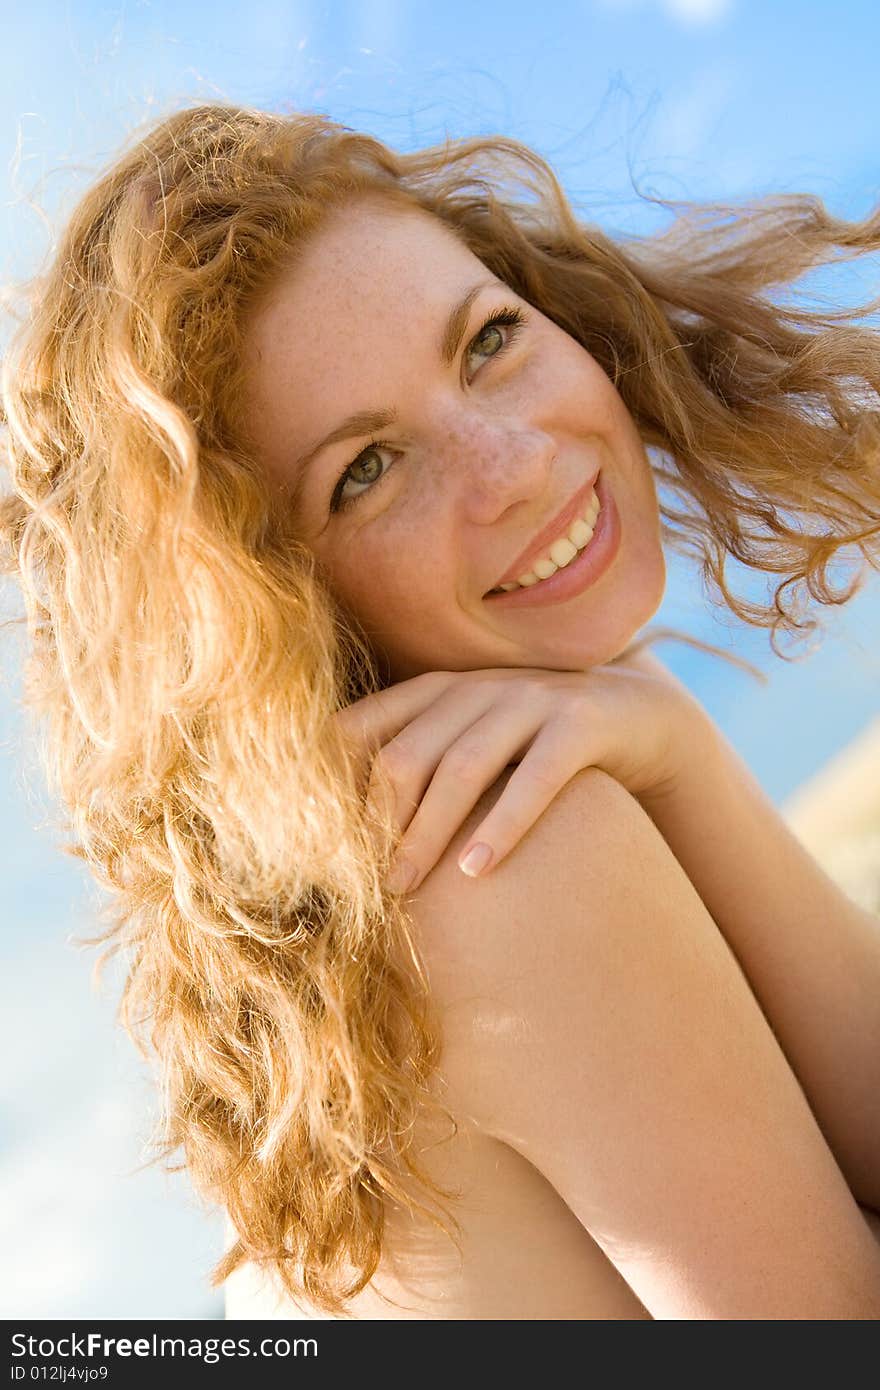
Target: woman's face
x=429, y=458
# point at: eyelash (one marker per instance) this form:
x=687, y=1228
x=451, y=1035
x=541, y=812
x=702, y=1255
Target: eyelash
x=508, y=317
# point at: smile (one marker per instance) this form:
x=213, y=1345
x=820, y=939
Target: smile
x=561, y=552
x=582, y=561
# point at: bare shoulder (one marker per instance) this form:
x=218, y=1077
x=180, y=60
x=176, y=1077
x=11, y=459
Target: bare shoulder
x=595, y=1020
x=473, y=932
x=590, y=815
x=503, y=949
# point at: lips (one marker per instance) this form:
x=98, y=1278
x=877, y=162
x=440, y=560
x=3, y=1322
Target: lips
x=542, y=542
x=587, y=568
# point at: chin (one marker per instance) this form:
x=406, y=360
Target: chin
x=577, y=644
x=620, y=624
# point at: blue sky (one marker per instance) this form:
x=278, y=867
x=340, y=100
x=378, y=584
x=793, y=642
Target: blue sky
x=683, y=98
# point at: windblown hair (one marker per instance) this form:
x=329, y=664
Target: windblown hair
x=189, y=659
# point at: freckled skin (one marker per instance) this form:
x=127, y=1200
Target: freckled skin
x=485, y=452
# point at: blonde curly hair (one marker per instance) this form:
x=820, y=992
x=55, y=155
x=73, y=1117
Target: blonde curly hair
x=192, y=739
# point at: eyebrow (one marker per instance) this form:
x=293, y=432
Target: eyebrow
x=371, y=421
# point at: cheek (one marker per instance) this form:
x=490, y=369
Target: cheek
x=570, y=384
x=388, y=581
x=606, y=402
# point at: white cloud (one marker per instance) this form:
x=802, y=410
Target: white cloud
x=689, y=12
x=697, y=11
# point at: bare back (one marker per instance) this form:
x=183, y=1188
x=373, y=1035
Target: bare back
x=524, y=1254
x=632, y=1142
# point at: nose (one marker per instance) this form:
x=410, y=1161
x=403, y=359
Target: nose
x=499, y=463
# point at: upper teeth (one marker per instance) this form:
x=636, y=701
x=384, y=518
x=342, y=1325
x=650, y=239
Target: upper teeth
x=561, y=552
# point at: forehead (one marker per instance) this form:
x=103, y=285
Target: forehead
x=368, y=255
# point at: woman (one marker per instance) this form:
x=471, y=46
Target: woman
x=290, y=417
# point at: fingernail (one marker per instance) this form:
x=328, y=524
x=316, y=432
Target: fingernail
x=402, y=876
x=475, y=860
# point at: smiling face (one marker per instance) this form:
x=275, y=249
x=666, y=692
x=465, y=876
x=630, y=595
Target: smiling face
x=472, y=448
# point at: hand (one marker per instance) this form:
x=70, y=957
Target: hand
x=435, y=742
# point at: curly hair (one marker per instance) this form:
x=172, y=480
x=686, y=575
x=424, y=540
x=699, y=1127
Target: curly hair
x=192, y=739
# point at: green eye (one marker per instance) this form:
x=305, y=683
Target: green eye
x=489, y=341
x=491, y=334
x=360, y=462
x=340, y=501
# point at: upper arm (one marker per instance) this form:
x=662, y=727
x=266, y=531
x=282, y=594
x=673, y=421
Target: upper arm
x=596, y=1020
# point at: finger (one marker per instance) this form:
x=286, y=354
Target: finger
x=383, y=713
x=552, y=760
x=464, y=771
x=405, y=766
x=377, y=717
